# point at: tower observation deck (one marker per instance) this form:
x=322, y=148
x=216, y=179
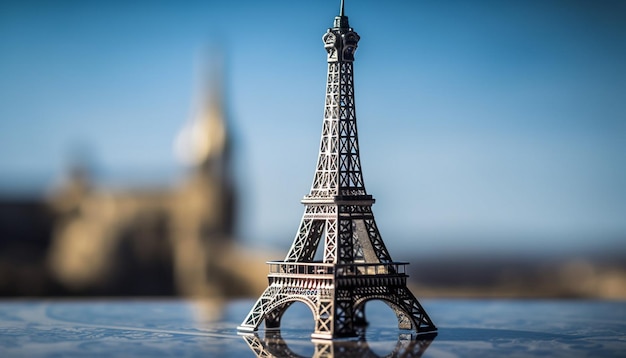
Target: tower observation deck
x=356, y=266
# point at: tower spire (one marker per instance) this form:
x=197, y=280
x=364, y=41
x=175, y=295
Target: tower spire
x=355, y=266
x=341, y=21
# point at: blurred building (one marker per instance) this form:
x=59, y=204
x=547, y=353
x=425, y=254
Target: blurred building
x=26, y=224
x=93, y=240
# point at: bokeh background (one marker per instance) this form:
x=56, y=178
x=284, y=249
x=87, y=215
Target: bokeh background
x=492, y=134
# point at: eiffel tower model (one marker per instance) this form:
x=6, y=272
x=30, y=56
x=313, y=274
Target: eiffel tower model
x=356, y=266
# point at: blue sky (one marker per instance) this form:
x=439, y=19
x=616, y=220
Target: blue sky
x=483, y=124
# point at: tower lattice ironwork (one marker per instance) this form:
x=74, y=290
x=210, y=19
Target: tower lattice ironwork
x=356, y=266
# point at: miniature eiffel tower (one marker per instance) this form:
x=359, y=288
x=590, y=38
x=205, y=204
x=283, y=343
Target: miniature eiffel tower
x=356, y=265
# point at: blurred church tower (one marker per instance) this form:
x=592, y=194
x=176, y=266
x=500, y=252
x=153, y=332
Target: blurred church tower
x=156, y=240
x=204, y=208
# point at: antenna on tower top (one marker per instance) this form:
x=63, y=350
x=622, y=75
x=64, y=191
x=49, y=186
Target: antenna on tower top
x=341, y=21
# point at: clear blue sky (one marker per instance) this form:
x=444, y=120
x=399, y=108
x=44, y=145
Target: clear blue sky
x=498, y=124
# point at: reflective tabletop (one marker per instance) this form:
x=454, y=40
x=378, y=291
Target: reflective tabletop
x=181, y=328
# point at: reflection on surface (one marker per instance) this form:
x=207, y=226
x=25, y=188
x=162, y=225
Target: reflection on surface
x=273, y=345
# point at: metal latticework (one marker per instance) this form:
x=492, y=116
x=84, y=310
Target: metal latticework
x=356, y=266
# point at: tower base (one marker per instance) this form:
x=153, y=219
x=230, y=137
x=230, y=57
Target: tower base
x=336, y=295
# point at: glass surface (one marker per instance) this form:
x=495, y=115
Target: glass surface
x=158, y=328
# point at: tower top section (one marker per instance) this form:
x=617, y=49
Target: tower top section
x=340, y=41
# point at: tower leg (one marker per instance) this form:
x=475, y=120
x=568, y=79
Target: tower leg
x=359, y=317
x=258, y=312
x=272, y=318
x=324, y=322
x=410, y=313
